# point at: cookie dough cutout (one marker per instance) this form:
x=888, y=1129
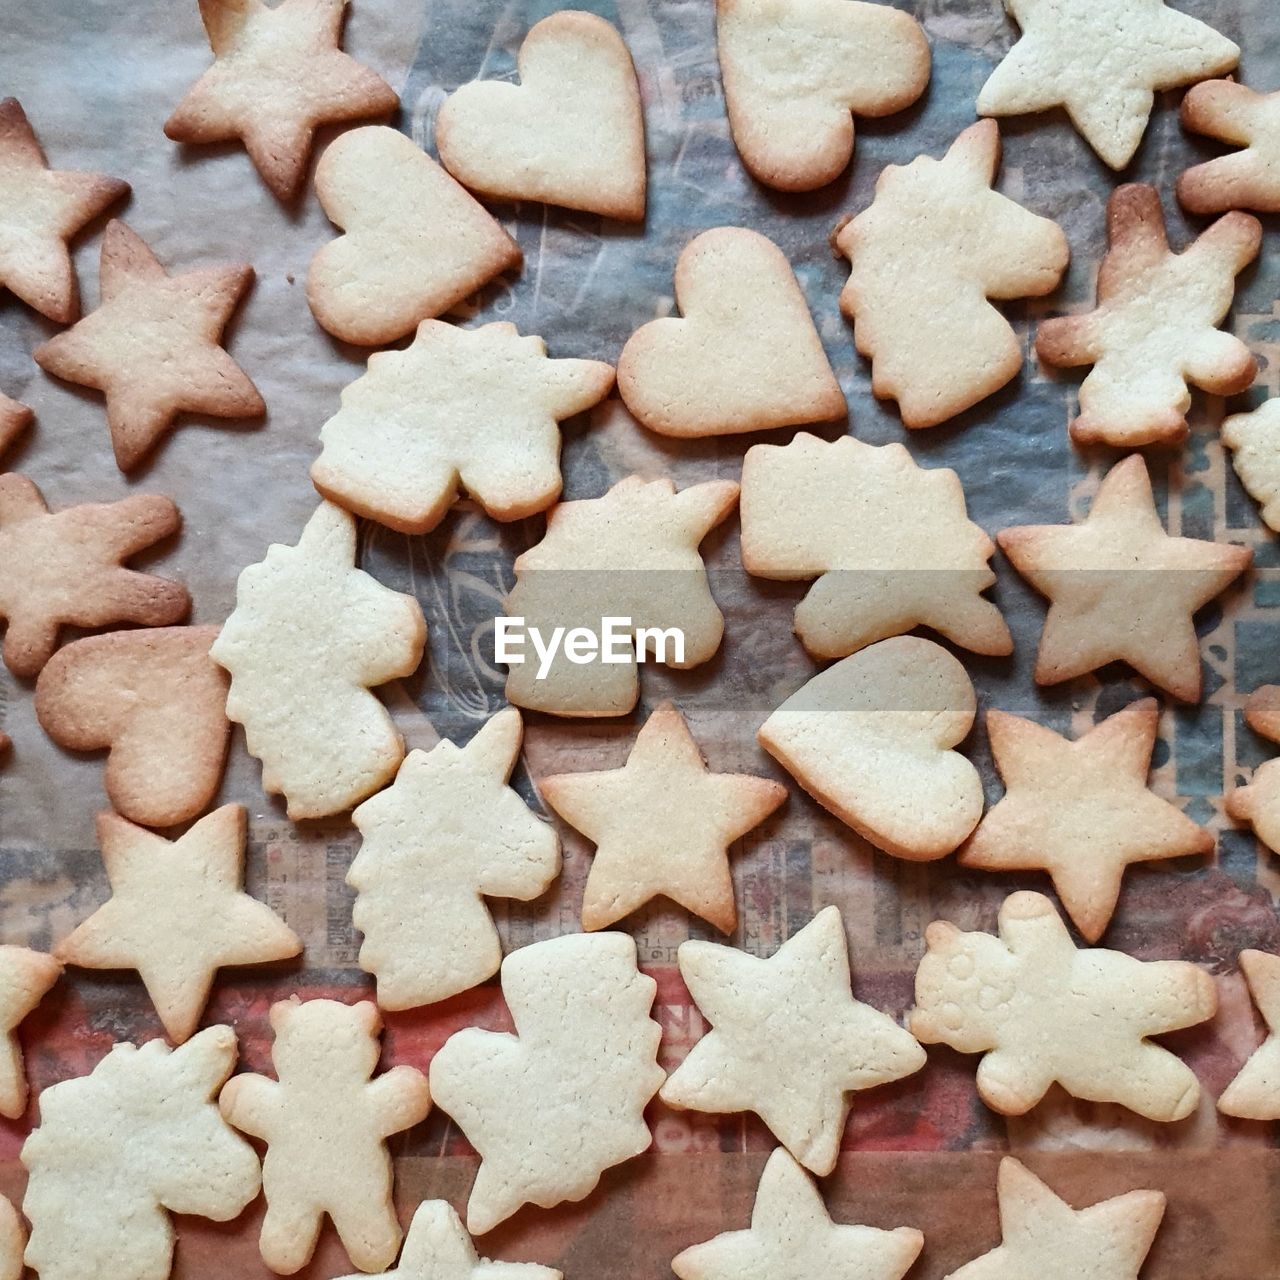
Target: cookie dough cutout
x=1120, y=588
x=662, y=825
x=471, y=409
x=1241, y=117
x=1103, y=62
x=13, y=1240
x=1080, y=810
x=1254, y=1093
x=119, y=1149
x=1258, y=804
x=157, y=702
x=41, y=209
x=414, y=243
x=278, y=74
x=936, y=244
x=15, y=418
x=1154, y=330
x=871, y=739
x=1042, y=1013
x=310, y=636
x=153, y=346
x=571, y=133
x=631, y=554
x=744, y=354
x=889, y=542
x=1254, y=439
x=792, y=1237
x=447, y=833
x=25, y=977
x=788, y=1041
x=552, y=1107
x=66, y=568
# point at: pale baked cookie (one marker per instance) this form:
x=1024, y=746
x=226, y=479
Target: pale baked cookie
x=1120, y=588
x=1154, y=330
x=1248, y=179
x=571, y=133
x=152, y=346
x=889, y=542
x=794, y=70
x=1254, y=1093
x=935, y=245
x=458, y=409
x=13, y=1239
x=553, y=1106
x=120, y=1148
x=1042, y=1013
x=787, y=1040
x=40, y=210
x=157, y=702
x=414, y=243
x=310, y=636
x=1102, y=60
x=1080, y=810
x=15, y=418
x=277, y=75
x=25, y=977
x=792, y=1237
x=1254, y=439
x=631, y=554
x=177, y=914
x=66, y=568
x=871, y=739
x=662, y=825
x=447, y=833
x=744, y=354
x=1259, y=803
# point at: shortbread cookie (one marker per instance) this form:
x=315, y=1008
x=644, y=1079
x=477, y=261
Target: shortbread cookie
x=1259, y=803
x=326, y=1121
x=1254, y=439
x=662, y=825
x=278, y=74
x=792, y=1237
x=310, y=636
x=177, y=914
x=1042, y=1013
x=66, y=568
x=1254, y=1094
x=570, y=133
x=13, y=1240
x=25, y=976
x=743, y=356
x=1102, y=60
x=152, y=346
x=40, y=210
x=1044, y=1236
x=447, y=833
x=1242, y=117
x=471, y=409
x=935, y=245
x=157, y=702
x=414, y=243
x=1154, y=330
x=889, y=542
x=787, y=1040
x=632, y=554
x=119, y=1149
x=15, y=418
x=1080, y=810
x=871, y=739
x=793, y=70
x=1120, y=588
x=552, y=1107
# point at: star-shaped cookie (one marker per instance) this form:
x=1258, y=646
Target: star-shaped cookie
x=40, y=210
x=1255, y=1092
x=277, y=75
x=1080, y=810
x=14, y=419
x=1258, y=803
x=788, y=1040
x=792, y=1237
x=1242, y=117
x=662, y=825
x=1120, y=588
x=25, y=976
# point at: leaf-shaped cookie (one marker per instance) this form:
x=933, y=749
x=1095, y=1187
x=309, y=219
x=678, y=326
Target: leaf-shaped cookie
x=1254, y=439
x=1248, y=179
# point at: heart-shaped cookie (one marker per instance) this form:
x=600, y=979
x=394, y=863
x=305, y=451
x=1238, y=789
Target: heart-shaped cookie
x=870, y=738
x=744, y=356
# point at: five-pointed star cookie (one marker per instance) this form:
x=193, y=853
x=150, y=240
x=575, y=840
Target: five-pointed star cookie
x=277, y=75
x=14, y=419
x=788, y=1040
x=1258, y=803
x=177, y=914
x=152, y=346
x=792, y=1237
x=1080, y=810
x=40, y=210
x=1102, y=60
x=1254, y=1094
x=1248, y=179
x=662, y=824
x=25, y=976
x=1120, y=588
